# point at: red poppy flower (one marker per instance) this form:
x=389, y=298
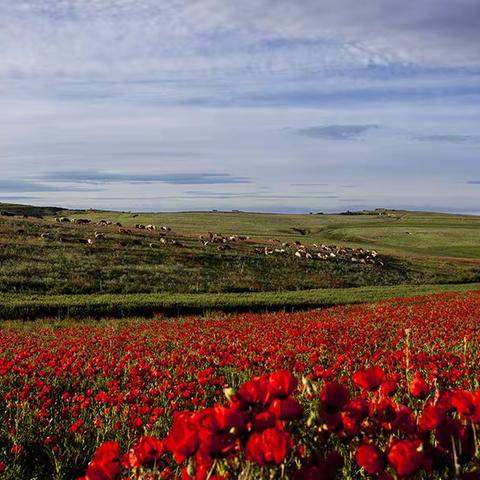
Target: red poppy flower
x=220, y=419
x=450, y=428
x=406, y=456
x=282, y=383
x=405, y=421
x=334, y=396
x=371, y=458
x=268, y=447
x=389, y=387
x=286, y=409
x=418, y=386
x=317, y=469
x=105, y=464
x=264, y=420
x=431, y=417
x=370, y=378
x=464, y=402
x=216, y=427
x=255, y=390
x=182, y=440
x=357, y=409
x=386, y=411
x=146, y=451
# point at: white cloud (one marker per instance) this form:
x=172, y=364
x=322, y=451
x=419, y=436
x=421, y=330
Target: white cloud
x=145, y=38
x=140, y=87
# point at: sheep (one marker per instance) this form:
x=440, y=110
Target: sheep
x=150, y=227
x=45, y=236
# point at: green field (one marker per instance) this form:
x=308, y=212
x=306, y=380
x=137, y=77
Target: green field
x=396, y=232
x=416, y=249
x=101, y=305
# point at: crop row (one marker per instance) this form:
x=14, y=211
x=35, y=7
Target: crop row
x=23, y=306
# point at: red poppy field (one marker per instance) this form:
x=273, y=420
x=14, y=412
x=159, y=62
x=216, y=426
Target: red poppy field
x=388, y=390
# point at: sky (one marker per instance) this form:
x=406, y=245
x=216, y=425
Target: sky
x=258, y=105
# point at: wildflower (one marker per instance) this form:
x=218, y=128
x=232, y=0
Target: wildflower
x=371, y=458
x=370, y=378
x=268, y=447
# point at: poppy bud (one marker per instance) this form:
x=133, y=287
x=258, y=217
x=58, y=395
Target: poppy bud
x=229, y=393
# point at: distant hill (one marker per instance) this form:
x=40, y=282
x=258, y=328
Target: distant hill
x=30, y=210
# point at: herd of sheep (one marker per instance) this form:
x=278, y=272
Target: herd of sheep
x=163, y=235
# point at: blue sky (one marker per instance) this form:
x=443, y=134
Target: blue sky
x=268, y=105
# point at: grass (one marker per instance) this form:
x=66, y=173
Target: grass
x=104, y=305
x=131, y=271
x=429, y=233
x=125, y=263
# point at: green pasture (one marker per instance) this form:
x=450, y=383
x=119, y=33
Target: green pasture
x=418, y=249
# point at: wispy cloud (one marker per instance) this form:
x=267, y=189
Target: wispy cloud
x=26, y=186
x=100, y=178
x=257, y=195
x=448, y=138
x=308, y=184
x=336, y=132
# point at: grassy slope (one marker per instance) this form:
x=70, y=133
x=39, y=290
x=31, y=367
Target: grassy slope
x=79, y=306
x=30, y=266
x=414, y=236
x=428, y=233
